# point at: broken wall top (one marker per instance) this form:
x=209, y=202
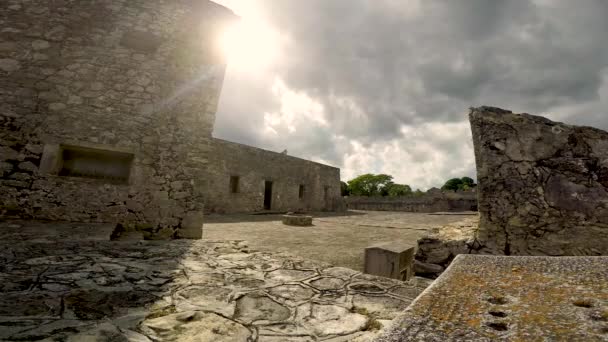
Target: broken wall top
x=542, y=185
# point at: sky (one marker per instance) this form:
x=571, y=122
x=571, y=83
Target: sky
x=384, y=86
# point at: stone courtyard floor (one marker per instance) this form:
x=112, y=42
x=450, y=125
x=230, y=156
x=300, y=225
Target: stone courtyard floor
x=338, y=239
x=67, y=282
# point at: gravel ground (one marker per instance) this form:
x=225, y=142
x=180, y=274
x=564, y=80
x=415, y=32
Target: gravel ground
x=336, y=239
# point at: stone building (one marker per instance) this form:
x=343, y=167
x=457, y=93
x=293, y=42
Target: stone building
x=107, y=109
x=248, y=179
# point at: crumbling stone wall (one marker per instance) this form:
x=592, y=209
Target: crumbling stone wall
x=138, y=77
x=254, y=166
x=428, y=203
x=542, y=185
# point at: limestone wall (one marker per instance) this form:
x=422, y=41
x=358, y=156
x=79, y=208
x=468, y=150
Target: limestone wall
x=254, y=166
x=133, y=78
x=462, y=201
x=542, y=185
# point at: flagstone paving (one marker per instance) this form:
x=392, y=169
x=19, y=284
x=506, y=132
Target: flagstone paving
x=66, y=282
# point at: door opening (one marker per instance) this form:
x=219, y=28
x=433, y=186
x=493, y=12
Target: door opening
x=267, y=195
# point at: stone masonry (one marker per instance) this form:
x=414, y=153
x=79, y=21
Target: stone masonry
x=121, y=95
x=432, y=201
x=542, y=191
x=297, y=184
x=542, y=185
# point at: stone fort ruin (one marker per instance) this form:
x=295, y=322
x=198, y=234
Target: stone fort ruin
x=542, y=191
x=107, y=111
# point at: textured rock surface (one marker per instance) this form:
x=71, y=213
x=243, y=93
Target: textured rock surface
x=542, y=185
x=139, y=77
x=66, y=282
x=498, y=298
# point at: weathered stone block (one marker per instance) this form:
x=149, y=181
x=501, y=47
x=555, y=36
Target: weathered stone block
x=519, y=298
x=391, y=260
x=297, y=220
x=542, y=185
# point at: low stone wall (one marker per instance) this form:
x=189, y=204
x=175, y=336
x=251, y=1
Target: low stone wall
x=451, y=201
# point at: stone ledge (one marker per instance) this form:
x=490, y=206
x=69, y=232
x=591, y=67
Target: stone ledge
x=490, y=298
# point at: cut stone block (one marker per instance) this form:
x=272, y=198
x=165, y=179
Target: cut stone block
x=297, y=220
x=501, y=298
x=390, y=260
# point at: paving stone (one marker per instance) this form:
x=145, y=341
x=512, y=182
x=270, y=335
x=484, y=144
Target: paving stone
x=195, y=326
x=292, y=293
x=328, y=283
x=255, y=307
x=73, y=286
x=289, y=275
x=327, y=320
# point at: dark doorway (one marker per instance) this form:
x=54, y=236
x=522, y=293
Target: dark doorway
x=267, y=195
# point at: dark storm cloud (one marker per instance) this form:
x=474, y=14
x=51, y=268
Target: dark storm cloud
x=379, y=65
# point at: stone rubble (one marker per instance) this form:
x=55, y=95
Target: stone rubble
x=73, y=285
x=441, y=245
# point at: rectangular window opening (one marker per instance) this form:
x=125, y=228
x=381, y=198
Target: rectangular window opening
x=234, y=184
x=110, y=166
x=301, y=191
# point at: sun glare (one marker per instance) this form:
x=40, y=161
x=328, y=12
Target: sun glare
x=250, y=45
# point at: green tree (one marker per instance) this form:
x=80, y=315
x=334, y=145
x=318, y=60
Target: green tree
x=418, y=193
x=452, y=184
x=456, y=184
x=395, y=190
x=468, y=181
x=369, y=184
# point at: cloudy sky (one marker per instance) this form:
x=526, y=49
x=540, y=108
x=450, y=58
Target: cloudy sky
x=384, y=86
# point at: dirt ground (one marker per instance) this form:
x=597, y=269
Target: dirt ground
x=339, y=239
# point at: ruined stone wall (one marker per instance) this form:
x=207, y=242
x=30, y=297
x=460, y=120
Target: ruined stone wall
x=138, y=77
x=254, y=166
x=542, y=185
x=463, y=201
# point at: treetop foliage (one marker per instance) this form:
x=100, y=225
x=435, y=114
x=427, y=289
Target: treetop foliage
x=383, y=185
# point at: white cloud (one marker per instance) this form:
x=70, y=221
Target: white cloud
x=384, y=86
x=418, y=158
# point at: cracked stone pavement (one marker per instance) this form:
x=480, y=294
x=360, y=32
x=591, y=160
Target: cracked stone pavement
x=67, y=282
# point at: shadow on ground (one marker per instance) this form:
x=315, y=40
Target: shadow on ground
x=67, y=282
x=271, y=216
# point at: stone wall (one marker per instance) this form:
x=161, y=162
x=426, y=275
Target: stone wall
x=254, y=166
x=429, y=203
x=542, y=185
x=138, y=79
x=542, y=188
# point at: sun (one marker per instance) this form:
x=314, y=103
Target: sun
x=250, y=45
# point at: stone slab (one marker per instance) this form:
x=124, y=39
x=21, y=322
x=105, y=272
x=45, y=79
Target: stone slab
x=499, y=298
